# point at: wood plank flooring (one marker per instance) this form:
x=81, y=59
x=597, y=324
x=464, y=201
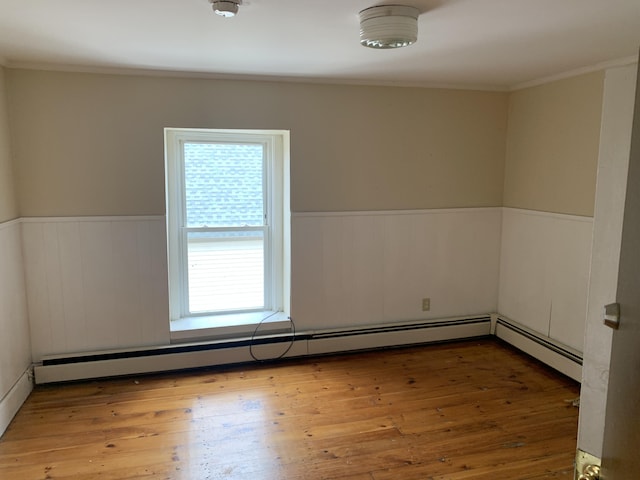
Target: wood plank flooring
x=467, y=410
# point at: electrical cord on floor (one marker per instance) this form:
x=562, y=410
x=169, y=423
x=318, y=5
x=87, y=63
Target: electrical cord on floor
x=255, y=333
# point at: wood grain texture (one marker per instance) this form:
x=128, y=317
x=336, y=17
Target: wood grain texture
x=465, y=410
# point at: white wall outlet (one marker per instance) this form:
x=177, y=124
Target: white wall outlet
x=426, y=304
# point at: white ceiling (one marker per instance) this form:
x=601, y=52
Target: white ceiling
x=463, y=43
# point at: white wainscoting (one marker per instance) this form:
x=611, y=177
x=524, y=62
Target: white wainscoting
x=95, y=283
x=544, y=273
x=101, y=283
x=367, y=268
x=15, y=349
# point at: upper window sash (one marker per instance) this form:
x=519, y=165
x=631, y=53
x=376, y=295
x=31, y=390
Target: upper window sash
x=266, y=144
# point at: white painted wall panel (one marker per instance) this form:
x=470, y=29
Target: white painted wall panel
x=570, y=281
x=335, y=264
x=524, y=292
x=544, y=273
x=15, y=349
x=100, y=283
x=95, y=283
x=364, y=268
x=124, y=238
x=404, y=280
x=367, y=279
x=37, y=289
x=72, y=278
x=307, y=270
x=467, y=261
x=55, y=299
x=152, y=258
x=98, y=277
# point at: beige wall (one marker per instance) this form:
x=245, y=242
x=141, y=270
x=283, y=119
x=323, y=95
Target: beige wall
x=552, y=145
x=92, y=144
x=8, y=207
x=15, y=348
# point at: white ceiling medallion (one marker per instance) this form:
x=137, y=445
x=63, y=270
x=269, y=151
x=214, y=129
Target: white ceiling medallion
x=225, y=8
x=389, y=26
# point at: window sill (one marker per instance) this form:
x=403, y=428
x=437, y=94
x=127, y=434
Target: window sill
x=236, y=325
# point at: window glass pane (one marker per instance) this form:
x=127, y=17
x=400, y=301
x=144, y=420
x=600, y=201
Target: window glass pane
x=223, y=184
x=226, y=271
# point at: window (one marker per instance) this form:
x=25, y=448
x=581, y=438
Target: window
x=225, y=217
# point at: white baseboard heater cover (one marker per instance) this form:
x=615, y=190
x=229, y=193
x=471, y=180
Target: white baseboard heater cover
x=561, y=357
x=79, y=366
x=163, y=358
x=406, y=334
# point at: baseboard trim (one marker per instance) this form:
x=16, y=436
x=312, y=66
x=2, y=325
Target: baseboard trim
x=558, y=356
x=13, y=400
x=399, y=335
x=79, y=366
x=163, y=359
x=223, y=352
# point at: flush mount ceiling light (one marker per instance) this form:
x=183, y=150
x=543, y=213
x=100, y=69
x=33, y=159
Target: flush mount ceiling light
x=388, y=26
x=225, y=8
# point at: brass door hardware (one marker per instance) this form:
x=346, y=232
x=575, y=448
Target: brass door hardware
x=590, y=472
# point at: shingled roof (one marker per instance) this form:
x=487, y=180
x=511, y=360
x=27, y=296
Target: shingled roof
x=223, y=184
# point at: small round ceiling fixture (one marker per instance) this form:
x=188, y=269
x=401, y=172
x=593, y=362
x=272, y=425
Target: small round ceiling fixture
x=225, y=8
x=389, y=26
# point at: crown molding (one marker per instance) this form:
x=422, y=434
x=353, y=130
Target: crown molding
x=132, y=71
x=618, y=62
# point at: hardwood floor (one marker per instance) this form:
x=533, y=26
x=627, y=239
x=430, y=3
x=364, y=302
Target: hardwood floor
x=466, y=410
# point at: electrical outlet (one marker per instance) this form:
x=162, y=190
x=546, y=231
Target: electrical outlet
x=426, y=304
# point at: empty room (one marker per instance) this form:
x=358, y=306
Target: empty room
x=316, y=240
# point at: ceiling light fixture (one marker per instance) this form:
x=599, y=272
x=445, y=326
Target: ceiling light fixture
x=388, y=26
x=225, y=8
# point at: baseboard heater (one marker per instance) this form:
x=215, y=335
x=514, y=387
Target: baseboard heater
x=58, y=368
x=399, y=334
x=556, y=355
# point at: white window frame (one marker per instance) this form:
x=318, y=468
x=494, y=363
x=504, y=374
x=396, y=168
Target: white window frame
x=275, y=194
